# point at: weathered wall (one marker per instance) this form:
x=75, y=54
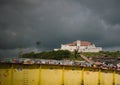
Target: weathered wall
x=21, y=74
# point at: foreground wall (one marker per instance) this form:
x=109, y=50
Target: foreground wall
x=21, y=74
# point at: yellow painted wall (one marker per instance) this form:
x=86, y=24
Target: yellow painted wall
x=90, y=76
x=72, y=76
x=25, y=75
x=19, y=74
x=106, y=78
x=5, y=75
x=51, y=75
x=117, y=78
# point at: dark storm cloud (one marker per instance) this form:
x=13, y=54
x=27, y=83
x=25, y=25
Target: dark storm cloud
x=23, y=22
x=108, y=13
x=106, y=9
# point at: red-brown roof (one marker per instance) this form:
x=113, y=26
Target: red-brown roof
x=82, y=43
x=85, y=43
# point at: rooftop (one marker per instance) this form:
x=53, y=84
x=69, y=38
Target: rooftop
x=82, y=43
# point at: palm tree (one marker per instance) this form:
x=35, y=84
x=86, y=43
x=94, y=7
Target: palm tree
x=38, y=44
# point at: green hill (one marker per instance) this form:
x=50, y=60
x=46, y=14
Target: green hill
x=65, y=54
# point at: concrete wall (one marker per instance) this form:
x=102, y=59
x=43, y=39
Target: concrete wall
x=21, y=74
x=90, y=48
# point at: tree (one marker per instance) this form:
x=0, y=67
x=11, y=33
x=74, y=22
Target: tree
x=76, y=53
x=38, y=44
x=58, y=55
x=28, y=55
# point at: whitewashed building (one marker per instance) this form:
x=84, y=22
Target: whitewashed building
x=81, y=46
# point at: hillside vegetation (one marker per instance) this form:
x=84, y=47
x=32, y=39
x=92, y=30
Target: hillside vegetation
x=65, y=54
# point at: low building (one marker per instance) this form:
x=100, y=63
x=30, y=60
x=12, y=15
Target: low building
x=81, y=46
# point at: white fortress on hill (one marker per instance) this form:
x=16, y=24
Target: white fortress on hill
x=81, y=46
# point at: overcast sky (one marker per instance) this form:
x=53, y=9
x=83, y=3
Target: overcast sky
x=55, y=22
